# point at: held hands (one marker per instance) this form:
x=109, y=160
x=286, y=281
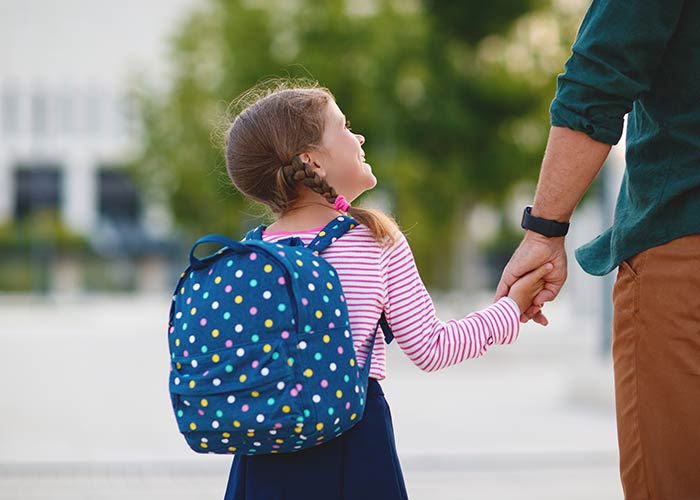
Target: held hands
x=534, y=254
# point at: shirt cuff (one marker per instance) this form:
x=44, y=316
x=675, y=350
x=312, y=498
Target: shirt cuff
x=504, y=321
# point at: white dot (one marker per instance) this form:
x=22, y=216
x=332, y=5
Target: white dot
x=185, y=402
x=256, y=443
x=216, y=382
x=240, y=352
x=195, y=287
x=215, y=424
x=231, y=399
x=311, y=287
x=260, y=418
x=335, y=422
x=238, y=274
x=265, y=372
x=194, y=363
x=301, y=345
x=357, y=390
x=316, y=398
x=337, y=312
x=178, y=315
x=333, y=367
x=273, y=432
x=315, y=263
x=280, y=386
x=267, y=294
x=177, y=380
x=224, y=441
x=215, y=304
x=192, y=339
x=204, y=440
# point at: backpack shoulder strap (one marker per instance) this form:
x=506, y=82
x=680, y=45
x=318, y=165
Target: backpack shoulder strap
x=331, y=232
x=256, y=233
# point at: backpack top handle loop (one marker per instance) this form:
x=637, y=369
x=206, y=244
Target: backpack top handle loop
x=236, y=246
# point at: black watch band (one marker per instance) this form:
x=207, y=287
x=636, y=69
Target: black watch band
x=546, y=227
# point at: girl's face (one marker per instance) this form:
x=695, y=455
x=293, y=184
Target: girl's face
x=340, y=158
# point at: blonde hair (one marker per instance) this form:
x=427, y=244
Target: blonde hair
x=263, y=145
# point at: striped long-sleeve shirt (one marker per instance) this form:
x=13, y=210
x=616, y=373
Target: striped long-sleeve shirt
x=377, y=278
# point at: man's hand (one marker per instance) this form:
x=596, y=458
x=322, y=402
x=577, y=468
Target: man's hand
x=533, y=252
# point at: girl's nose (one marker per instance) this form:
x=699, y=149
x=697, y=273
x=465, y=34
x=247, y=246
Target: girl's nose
x=360, y=138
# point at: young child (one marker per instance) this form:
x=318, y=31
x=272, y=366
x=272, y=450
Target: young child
x=293, y=150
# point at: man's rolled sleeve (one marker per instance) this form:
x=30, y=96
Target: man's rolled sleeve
x=616, y=54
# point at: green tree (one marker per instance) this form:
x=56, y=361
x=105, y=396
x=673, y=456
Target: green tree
x=438, y=117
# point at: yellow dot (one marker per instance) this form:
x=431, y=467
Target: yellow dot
x=231, y=448
x=182, y=291
x=268, y=323
x=329, y=285
x=216, y=358
x=353, y=416
x=193, y=426
x=236, y=423
x=215, y=332
x=319, y=438
x=250, y=434
x=319, y=426
x=182, y=275
x=226, y=434
x=217, y=280
x=178, y=365
x=238, y=299
x=203, y=445
x=204, y=403
x=319, y=314
x=255, y=394
x=267, y=268
x=267, y=348
x=322, y=233
x=193, y=311
x=177, y=343
x=299, y=263
x=290, y=361
x=352, y=226
x=274, y=451
x=308, y=372
x=338, y=394
x=352, y=362
x=243, y=378
x=298, y=430
x=279, y=441
x=286, y=409
x=192, y=384
x=326, y=338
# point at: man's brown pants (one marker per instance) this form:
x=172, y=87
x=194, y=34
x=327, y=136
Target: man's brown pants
x=656, y=353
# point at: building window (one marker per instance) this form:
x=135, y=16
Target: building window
x=10, y=113
x=118, y=197
x=38, y=189
x=40, y=114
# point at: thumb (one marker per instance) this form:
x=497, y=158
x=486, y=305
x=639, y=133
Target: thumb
x=504, y=285
x=541, y=271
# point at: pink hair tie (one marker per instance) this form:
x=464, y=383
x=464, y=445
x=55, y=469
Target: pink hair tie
x=341, y=204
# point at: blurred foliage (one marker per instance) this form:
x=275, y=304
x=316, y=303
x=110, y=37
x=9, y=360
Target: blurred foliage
x=41, y=230
x=451, y=117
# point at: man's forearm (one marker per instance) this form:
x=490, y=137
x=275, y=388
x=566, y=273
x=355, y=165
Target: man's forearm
x=571, y=162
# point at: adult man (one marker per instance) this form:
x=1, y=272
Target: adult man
x=642, y=57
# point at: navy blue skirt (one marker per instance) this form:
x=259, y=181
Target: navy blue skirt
x=361, y=464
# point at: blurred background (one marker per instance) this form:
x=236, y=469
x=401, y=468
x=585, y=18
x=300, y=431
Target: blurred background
x=111, y=166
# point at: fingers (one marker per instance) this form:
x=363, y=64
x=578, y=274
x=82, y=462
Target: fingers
x=535, y=314
x=504, y=285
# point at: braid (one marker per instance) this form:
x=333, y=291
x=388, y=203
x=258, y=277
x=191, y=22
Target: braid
x=299, y=171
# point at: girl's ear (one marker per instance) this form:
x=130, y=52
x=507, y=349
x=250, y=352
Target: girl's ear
x=310, y=159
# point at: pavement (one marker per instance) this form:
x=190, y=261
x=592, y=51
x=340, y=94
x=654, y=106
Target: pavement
x=85, y=411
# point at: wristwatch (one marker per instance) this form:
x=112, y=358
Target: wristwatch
x=546, y=227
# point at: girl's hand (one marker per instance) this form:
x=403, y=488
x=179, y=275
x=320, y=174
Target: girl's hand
x=526, y=288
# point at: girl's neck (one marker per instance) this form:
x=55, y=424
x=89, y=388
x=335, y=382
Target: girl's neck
x=304, y=216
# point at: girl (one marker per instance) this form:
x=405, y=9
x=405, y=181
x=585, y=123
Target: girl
x=293, y=150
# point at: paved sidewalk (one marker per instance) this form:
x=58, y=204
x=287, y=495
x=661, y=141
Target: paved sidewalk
x=86, y=415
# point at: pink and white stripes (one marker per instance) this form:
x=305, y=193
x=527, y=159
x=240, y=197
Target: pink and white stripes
x=377, y=278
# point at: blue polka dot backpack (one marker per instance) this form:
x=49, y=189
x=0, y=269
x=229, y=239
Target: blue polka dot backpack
x=262, y=359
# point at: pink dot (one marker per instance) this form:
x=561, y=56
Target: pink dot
x=278, y=425
x=340, y=350
x=253, y=311
x=324, y=383
x=342, y=299
x=255, y=363
x=229, y=343
x=275, y=446
x=211, y=271
x=298, y=386
x=172, y=329
x=285, y=334
x=305, y=301
x=281, y=253
x=203, y=322
x=189, y=300
x=245, y=408
x=331, y=325
x=294, y=393
x=253, y=256
x=281, y=280
x=205, y=373
x=201, y=412
x=347, y=405
x=315, y=274
x=186, y=354
x=228, y=289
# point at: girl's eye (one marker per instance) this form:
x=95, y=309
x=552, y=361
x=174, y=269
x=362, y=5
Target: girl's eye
x=347, y=125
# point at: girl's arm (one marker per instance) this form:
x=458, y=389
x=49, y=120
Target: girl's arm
x=430, y=343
